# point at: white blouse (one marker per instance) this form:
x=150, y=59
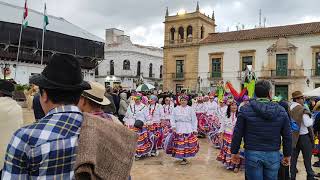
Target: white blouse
x=184, y=119
x=212, y=107
x=228, y=124
x=166, y=112
x=200, y=108
x=154, y=113
x=136, y=112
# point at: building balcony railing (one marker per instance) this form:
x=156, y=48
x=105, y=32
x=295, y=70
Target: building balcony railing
x=315, y=72
x=282, y=74
x=178, y=76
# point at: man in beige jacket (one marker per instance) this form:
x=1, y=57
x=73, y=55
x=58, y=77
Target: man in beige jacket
x=10, y=117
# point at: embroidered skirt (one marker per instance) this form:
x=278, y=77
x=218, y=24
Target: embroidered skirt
x=213, y=134
x=144, y=144
x=184, y=145
x=156, y=135
x=166, y=127
x=225, y=154
x=203, y=125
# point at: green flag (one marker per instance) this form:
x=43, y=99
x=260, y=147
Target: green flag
x=25, y=15
x=45, y=18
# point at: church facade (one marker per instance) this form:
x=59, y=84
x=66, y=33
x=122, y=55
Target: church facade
x=288, y=56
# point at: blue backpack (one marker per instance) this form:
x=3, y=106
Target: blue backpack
x=294, y=126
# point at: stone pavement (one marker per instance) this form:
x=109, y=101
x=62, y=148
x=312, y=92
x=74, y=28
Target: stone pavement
x=203, y=167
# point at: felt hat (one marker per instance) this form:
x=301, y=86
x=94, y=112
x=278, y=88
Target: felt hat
x=297, y=94
x=63, y=72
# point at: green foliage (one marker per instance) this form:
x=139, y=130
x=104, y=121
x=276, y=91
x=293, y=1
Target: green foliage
x=22, y=87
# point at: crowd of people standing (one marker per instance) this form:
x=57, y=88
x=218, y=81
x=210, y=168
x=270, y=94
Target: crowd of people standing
x=261, y=135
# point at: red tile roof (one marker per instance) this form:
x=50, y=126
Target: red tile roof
x=261, y=33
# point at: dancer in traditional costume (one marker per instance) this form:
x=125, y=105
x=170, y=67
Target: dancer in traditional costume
x=214, y=124
x=184, y=126
x=227, y=126
x=201, y=111
x=136, y=119
x=154, y=125
x=166, y=116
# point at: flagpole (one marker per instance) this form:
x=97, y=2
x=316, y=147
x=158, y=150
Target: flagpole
x=44, y=11
x=20, y=36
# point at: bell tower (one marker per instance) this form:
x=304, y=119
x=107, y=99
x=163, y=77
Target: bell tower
x=182, y=36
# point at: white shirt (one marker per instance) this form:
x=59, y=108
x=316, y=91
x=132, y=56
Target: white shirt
x=306, y=120
x=166, y=112
x=212, y=107
x=200, y=108
x=184, y=119
x=136, y=112
x=228, y=124
x=154, y=114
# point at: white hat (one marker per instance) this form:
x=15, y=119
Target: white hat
x=96, y=94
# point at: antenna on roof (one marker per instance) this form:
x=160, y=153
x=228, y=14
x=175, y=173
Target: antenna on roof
x=264, y=22
x=260, y=13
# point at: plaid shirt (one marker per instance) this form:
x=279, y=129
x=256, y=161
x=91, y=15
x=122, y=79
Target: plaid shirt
x=46, y=149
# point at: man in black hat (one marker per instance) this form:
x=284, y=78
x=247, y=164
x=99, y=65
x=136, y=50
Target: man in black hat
x=47, y=148
x=10, y=116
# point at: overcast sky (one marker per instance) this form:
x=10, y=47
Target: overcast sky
x=143, y=19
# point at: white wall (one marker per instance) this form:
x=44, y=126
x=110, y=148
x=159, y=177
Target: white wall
x=231, y=57
x=22, y=72
x=123, y=49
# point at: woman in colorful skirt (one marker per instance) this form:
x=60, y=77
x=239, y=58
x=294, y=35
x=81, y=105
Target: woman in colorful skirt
x=201, y=112
x=139, y=112
x=154, y=125
x=166, y=116
x=184, y=126
x=214, y=124
x=227, y=126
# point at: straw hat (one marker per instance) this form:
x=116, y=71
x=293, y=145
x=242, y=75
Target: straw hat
x=96, y=94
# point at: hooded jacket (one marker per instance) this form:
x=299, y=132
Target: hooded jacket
x=10, y=120
x=262, y=124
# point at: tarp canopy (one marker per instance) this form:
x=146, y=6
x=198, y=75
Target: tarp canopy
x=313, y=93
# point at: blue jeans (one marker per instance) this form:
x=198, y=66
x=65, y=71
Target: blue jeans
x=262, y=165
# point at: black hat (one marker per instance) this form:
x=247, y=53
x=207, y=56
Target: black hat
x=6, y=87
x=63, y=72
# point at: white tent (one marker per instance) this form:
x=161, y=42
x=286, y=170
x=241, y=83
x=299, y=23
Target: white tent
x=315, y=92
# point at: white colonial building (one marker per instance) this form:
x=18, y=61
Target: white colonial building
x=289, y=56
x=126, y=62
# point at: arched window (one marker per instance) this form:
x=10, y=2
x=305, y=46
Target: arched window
x=126, y=65
x=161, y=72
x=172, y=32
x=111, y=67
x=181, y=33
x=189, y=31
x=150, y=70
x=202, y=32
x=139, y=68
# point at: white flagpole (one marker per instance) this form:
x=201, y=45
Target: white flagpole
x=17, y=59
x=44, y=13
